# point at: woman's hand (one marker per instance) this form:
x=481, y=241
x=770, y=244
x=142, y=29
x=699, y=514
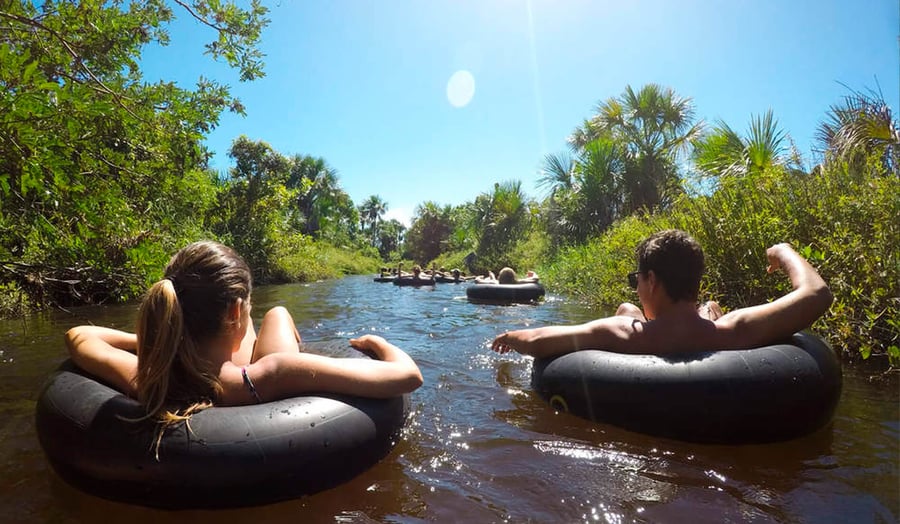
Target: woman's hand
x=370, y=345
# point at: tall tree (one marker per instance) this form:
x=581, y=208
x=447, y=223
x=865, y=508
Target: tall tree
x=370, y=212
x=430, y=229
x=861, y=125
x=390, y=237
x=724, y=153
x=504, y=218
x=585, y=190
x=79, y=126
x=623, y=159
x=652, y=127
x=320, y=200
x=256, y=199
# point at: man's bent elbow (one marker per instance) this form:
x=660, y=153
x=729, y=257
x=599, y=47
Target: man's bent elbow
x=824, y=299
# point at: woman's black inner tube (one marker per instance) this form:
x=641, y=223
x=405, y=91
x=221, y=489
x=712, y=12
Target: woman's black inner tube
x=767, y=394
x=226, y=457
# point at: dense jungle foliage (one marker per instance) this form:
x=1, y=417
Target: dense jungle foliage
x=104, y=175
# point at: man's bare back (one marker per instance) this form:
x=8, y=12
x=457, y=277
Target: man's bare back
x=668, y=326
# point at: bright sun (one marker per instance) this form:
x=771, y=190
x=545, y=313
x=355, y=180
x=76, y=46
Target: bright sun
x=461, y=88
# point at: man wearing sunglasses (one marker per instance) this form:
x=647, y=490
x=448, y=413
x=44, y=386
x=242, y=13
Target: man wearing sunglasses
x=667, y=281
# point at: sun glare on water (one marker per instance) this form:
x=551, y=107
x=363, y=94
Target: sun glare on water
x=461, y=88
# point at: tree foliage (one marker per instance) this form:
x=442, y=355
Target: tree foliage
x=324, y=209
x=101, y=173
x=270, y=197
x=623, y=160
x=650, y=128
x=723, y=153
x=503, y=218
x=391, y=235
x=429, y=232
x=861, y=125
x=256, y=199
x=370, y=212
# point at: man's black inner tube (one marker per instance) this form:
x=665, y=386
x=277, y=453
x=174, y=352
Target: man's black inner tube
x=767, y=394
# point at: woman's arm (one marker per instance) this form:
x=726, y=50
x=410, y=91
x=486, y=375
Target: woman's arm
x=106, y=353
x=284, y=374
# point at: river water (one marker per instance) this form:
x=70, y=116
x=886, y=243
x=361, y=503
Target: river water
x=479, y=445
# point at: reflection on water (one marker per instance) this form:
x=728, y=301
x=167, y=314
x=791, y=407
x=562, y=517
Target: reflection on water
x=480, y=446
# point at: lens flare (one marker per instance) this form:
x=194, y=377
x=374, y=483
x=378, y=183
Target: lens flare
x=461, y=88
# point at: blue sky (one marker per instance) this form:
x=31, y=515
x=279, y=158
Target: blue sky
x=367, y=84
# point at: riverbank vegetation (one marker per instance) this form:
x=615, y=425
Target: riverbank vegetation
x=103, y=175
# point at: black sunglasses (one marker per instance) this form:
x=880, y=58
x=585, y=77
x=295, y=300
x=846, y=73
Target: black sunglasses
x=632, y=279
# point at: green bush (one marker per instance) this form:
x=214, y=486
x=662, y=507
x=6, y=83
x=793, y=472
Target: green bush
x=843, y=220
x=531, y=253
x=13, y=301
x=299, y=258
x=451, y=260
x=595, y=272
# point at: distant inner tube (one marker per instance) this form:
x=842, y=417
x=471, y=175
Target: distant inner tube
x=230, y=457
x=522, y=293
x=767, y=394
x=413, y=281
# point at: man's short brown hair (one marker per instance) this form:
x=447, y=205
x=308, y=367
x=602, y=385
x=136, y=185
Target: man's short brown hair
x=677, y=261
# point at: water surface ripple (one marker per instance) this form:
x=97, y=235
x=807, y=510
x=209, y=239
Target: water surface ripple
x=480, y=446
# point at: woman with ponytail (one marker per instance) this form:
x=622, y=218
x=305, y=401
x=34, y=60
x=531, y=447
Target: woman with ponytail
x=195, y=346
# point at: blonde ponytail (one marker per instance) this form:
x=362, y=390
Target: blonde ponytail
x=178, y=313
x=159, y=337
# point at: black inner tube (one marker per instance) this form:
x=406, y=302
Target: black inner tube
x=227, y=457
x=767, y=394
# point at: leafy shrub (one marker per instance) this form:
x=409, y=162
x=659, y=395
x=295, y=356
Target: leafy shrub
x=842, y=219
x=13, y=301
x=451, y=260
x=299, y=258
x=595, y=272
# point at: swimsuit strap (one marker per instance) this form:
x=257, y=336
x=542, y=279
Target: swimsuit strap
x=249, y=384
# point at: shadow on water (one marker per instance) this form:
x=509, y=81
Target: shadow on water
x=480, y=446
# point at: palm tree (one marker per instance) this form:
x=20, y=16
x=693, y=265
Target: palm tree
x=430, y=229
x=652, y=126
x=504, y=218
x=590, y=200
x=556, y=174
x=724, y=153
x=371, y=211
x=319, y=193
x=863, y=124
